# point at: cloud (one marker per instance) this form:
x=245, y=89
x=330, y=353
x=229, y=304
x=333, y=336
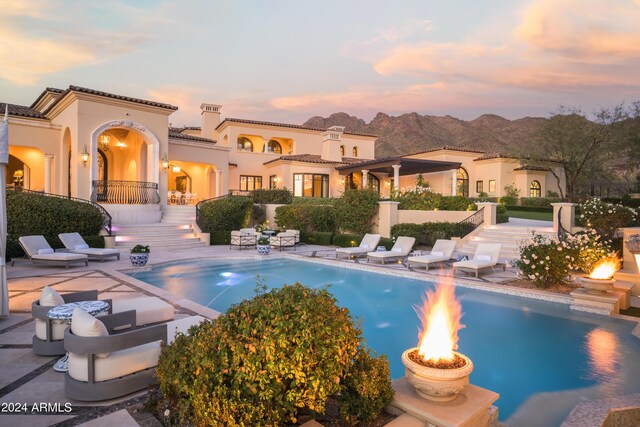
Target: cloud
x=186, y=98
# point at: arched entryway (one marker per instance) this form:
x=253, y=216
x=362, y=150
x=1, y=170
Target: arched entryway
x=17, y=173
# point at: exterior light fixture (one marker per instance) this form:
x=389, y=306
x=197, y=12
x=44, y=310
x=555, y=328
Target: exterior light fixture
x=104, y=142
x=84, y=156
x=342, y=181
x=164, y=162
x=176, y=169
x=276, y=179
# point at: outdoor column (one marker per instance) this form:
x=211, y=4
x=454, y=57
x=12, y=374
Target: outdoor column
x=568, y=216
x=218, y=183
x=490, y=212
x=47, y=172
x=387, y=218
x=454, y=182
x=396, y=178
x=365, y=178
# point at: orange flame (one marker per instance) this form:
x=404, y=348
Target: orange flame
x=605, y=268
x=440, y=314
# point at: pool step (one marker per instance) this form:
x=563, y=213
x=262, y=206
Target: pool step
x=157, y=236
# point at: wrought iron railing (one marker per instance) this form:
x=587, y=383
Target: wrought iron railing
x=472, y=222
x=562, y=232
x=125, y=192
x=106, y=217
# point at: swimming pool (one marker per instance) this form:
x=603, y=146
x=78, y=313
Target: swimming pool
x=541, y=357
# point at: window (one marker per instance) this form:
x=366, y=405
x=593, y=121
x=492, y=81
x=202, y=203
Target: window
x=535, y=190
x=342, y=150
x=463, y=183
x=273, y=182
x=249, y=183
x=492, y=186
x=355, y=151
x=310, y=185
x=479, y=186
x=274, y=147
x=245, y=144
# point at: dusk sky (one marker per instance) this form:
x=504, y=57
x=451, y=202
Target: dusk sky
x=288, y=60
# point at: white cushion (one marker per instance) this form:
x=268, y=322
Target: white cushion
x=118, y=364
x=82, y=246
x=399, y=250
x=46, y=251
x=437, y=253
x=483, y=257
x=85, y=325
x=50, y=297
x=364, y=246
x=57, y=329
x=148, y=309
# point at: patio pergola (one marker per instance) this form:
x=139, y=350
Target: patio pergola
x=401, y=166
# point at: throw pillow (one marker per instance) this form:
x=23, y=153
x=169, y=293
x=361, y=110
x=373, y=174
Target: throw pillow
x=50, y=297
x=85, y=325
x=46, y=251
x=82, y=246
x=437, y=253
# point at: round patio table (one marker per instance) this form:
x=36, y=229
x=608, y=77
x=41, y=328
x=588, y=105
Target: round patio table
x=65, y=312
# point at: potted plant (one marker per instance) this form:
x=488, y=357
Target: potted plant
x=139, y=255
x=263, y=245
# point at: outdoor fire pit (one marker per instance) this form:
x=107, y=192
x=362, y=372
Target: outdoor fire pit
x=434, y=369
x=601, y=280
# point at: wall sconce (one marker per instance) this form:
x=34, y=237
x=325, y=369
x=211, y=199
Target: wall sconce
x=84, y=156
x=164, y=162
x=276, y=179
x=342, y=181
x=176, y=169
x=388, y=182
x=104, y=142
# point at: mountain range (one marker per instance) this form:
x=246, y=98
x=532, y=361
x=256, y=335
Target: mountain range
x=411, y=132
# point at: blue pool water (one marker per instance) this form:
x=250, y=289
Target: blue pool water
x=521, y=348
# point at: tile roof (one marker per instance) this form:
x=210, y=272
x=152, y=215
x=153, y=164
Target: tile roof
x=495, y=156
x=72, y=88
x=532, y=168
x=21, y=111
x=178, y=135
x=445, y=147
x=287, y=125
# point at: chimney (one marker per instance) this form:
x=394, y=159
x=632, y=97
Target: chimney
x=210, y=119
x=331, y=141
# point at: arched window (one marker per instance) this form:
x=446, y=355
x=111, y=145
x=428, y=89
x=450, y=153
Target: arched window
x=355, y=151
x=535, y=190
x=463, y=183
x=245, y=144
x=342, y=150
x=274, y=147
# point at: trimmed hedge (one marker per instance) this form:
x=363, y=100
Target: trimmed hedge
x=279, y=197
x=313, y=201
x=540, y=202
x=624, y=201
x=224, y=215
x=354, y=211
x=317, y=238
x=307, y=218
x=529, y=209
x=347, y=240
x=417, y=201
x=502, y=218
x=426, y=234
x=34, y=214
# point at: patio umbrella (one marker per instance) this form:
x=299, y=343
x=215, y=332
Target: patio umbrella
x=4, y=159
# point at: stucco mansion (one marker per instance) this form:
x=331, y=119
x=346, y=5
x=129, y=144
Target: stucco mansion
x=120, y=151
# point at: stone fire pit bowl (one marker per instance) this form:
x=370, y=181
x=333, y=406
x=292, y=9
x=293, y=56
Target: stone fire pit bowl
x=438, y=385
x=596, y=286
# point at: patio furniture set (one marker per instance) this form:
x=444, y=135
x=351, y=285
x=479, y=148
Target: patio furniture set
x=179, y=198
x=248, y=238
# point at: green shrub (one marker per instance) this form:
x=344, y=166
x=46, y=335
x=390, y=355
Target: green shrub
x=258, y=215
x=626, y=200
x=354, y=211
x=313, y=201
x=366, y=390
x=347, y=240
x=425, y=200
x=502, y=218
x=587, y=247
x=279, y=197
x=427, y=233
x=529, y=208
x=307, y=218
x=508, y=201
x=260, y=364
x=34, y=214
x=224, y=215
x=387, y=242
x=540, y=202
x=606, y=218
x=501, y=209
x=317, y=238
x=544, y=261
x=94, y=241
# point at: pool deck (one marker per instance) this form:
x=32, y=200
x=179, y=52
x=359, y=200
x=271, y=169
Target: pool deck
x=29, y=379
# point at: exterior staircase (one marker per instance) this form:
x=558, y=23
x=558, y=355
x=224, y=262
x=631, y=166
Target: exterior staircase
x=173, y=232
x=509, y=235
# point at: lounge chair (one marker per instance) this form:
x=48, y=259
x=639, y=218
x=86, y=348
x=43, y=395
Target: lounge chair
x=105, y=365
x=283, y=240
x=37, y=250
x=245, y=237
x=369, y=242
x=400, y=249
x=48, y=339
x=486, y=256
x=76, y=244
x=441, y=252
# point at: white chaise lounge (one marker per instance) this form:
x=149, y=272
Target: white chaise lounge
x=368, y=243
x=441, y=252
x=76, y=244
x=37, y=250
x=486, y=257
x=400, y=249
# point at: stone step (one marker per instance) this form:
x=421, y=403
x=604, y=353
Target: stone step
x=169, y=247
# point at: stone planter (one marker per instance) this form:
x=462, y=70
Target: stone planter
x=438, y=385
x=596, y=286
x=264, y=249
x=139, y=260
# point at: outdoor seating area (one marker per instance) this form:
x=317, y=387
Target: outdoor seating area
x=182, y=199
x=486, y=257
x=400, y=249
x=76, y=244
x=38, y=250
x=442, y=251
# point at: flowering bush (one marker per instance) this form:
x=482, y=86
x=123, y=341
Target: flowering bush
x=545, y=261
x=588, y=247
x=605, y=217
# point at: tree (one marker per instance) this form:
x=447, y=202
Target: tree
x=583, y=147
